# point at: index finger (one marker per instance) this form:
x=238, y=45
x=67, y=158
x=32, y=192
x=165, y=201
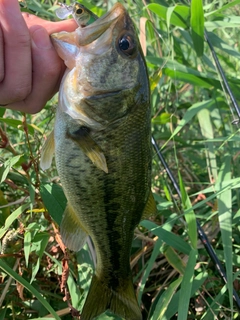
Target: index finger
x=51, y=27
x=17, y=53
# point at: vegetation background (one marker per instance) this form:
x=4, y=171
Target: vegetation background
x=197, y=129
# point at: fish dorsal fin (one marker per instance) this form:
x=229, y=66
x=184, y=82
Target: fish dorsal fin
x=47, y=152
x=89, y=147
x=150, y=207
x=73, y=234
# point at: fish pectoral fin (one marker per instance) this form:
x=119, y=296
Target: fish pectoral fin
x=150, y=207
x=73, y=234
x=89, y=147
x=47, y=152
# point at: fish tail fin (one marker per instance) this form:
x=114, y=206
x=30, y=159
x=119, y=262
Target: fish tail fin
x=120, y=300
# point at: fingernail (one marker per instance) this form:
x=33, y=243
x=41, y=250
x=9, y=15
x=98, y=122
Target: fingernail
x=41, y=39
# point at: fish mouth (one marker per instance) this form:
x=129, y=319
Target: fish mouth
x=95, y=30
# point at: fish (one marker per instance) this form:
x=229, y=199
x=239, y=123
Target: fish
x=82, y=15
x=103, y=153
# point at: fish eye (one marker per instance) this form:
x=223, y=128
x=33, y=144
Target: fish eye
x=127, y=45
x=79, y=11
x=124, y=44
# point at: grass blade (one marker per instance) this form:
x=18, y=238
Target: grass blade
x=207, y=132
x=189, y=214
x=225, y=221
x=149, y=267
x=186, y=286
x=197, y=26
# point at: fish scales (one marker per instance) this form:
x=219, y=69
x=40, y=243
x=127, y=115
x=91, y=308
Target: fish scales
x=102, y=140
x=105, y=199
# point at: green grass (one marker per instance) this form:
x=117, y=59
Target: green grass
x=192, y=122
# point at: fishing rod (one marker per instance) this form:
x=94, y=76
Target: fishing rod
x=201, y=234
x=223, y=77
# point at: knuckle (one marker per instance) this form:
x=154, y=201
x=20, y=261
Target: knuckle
x=23, y=40
x=11, y=92
x=17, y=94
x=21, y=93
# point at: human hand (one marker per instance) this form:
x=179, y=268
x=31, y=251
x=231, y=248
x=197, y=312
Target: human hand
x=30, y=69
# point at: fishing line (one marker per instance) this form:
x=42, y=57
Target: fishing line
x=201, y=234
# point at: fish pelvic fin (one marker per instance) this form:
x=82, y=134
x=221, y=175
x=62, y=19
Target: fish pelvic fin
x=73, y=234
x=150, y=207
x=121, y=300
x=47, y=152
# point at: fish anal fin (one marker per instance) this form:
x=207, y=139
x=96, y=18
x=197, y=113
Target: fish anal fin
x=73, y=233
x=89, y=147
x=47, y=152
x=121, y=300
x=150, y=207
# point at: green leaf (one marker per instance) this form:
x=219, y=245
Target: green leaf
x=6, y=167
x=165, y=299
x=35, y=269
x=30, y=233
x=48, y=318
x=179, y=14
x=108, y=316
x=18, y=124
x=28, y=286
x=197, y=26
x=39, y=244
x=13, y=216
x=54, y=200
x=2, y=111
x=219, y=43
x=168, y=237
x=4, y=209
x=174, y=303
x=164, y=118
x=189, y=114
x=174, y=259
x=223, y=7
x=225, y=22
x=178, y=71
x=27, y=245
x=3, y=313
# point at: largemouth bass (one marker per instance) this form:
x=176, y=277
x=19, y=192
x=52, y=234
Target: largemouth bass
x=102, y=144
